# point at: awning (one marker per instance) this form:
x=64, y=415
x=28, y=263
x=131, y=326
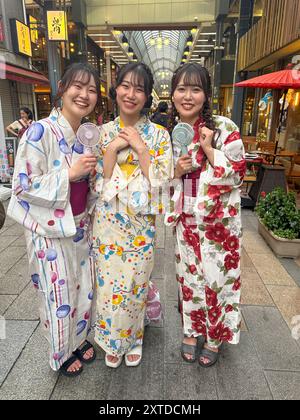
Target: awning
x=20, y=74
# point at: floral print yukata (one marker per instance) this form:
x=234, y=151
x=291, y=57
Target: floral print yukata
x=123, y=236
x=208, y=233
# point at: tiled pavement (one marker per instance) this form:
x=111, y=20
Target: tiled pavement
x=265, y=365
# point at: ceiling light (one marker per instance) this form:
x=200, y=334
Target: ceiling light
x=130, y=52
x=124, y=41
x=189, y=41
x=186, y=51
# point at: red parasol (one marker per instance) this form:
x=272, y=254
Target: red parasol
x=283, y=79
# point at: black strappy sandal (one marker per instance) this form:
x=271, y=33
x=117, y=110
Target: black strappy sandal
x=80, y=352
x=64, y=367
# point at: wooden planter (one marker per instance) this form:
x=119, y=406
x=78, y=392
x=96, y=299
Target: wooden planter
x=288, y=248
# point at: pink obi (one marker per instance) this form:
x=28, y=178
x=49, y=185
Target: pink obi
x=78, y=196
x=191, y=182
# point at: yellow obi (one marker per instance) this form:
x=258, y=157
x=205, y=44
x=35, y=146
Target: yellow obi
x=128, y=169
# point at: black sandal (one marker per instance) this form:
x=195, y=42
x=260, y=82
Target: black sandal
x=80, y=352
x=189, y=349
x=64, y=367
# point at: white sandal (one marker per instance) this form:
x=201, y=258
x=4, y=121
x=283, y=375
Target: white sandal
x=113, y=364
x=136, y=351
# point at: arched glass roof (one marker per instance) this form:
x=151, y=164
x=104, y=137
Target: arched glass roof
x=161, y=50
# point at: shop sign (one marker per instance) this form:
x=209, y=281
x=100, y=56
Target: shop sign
x=21, y=37
x=57, y=25
x=33, y=29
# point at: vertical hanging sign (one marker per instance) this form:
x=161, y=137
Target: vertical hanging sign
x=57, y=25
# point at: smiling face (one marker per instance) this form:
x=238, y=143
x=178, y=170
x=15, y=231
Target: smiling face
x=80, y=99
x=131, y=97
x=188, y=99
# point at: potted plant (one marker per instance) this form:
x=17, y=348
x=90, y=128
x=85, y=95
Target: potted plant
x=279, y=222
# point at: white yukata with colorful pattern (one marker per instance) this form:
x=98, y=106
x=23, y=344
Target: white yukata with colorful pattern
x=58, y=245
x=124, y=234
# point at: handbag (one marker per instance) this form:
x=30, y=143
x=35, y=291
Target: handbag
x=154, y=312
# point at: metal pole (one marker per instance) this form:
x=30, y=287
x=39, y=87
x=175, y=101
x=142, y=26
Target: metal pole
x=54, y=68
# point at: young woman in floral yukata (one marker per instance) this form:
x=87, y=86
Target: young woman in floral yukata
x=135, y=158
x=207, y=217
x=51, y=199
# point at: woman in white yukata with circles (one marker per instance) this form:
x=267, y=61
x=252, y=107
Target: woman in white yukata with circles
x=51, y=199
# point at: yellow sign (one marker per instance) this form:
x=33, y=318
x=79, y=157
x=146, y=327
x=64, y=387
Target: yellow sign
x=23, y=37
x=57, y=25
x=33, y=29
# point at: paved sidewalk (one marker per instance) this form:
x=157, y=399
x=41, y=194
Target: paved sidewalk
x=265, y=365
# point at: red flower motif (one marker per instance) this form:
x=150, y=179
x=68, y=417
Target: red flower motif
x=217, y=232
x=239, y=167
x=187, y=293
x=228, y=308
x=215, y=331
x=217, y=211
x=199, y=328
x=170, y=219
x=199, y=156
x=214, y=314
x=214, y=191
x=193, y=269
x=198, y=316
x=232, y=211
x=237, y=285
x=233, y=137
x=226, y=335
x=211, y=297
x=232, y=260
x=263, y=194
x=191, y=238
x=219, y=171
x=179, y=279
x=232, y=243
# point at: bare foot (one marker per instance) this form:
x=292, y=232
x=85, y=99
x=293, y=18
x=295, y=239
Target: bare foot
x=88, y=354
x=74, y=366
x=205, y=360
x=191, y=341
x=133, y=357
x=112, y=359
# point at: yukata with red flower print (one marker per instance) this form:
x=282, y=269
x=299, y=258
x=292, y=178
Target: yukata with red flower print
x=208, y=228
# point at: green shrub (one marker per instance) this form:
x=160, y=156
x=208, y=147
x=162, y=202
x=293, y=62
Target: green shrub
x=277, y=210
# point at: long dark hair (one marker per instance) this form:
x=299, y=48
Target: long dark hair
x=194, y=75
x=27, y=111
x=142, y=77
x=78, y=71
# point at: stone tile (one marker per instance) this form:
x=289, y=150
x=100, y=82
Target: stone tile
x=270, y=270
x=31, y=378
x=92, y=384
x=17, y=335
x=284, y=385
x=189, y=382
x=158, y=270
x=13, y=230
x=5, y=302
x=6, y=241
x=287, y=300
x=25, y=306
x=243, y=323
x=254, y=291
x=20, y=242
x=245, y=260
x=16, y=279
x=292, y=268
x=160, y=238
x=239, y=374
x=253, y=243
x=9, y=257
x=170, y=283
x=173, y=333
x=272, y=339
x=146, y=380
x=297, y=261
